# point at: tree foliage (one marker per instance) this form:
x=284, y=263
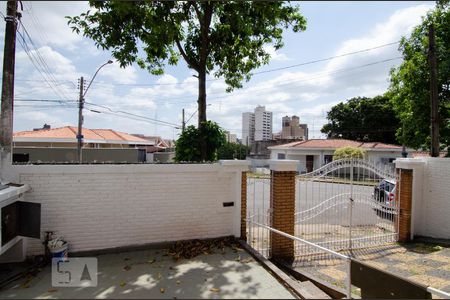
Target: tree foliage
x=348, y=152
x=410, y=82
x=233, y=151
x=363, y=119
x=187, y=146
x=222, y=38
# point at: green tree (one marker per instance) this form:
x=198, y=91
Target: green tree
x=348, y=152
x=232, y=151
x=363, y=119
x=226, y=38
x=410, y=82
x=187, y=145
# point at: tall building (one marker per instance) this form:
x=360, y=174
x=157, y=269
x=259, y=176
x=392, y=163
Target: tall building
x=230, y=137
x=292, y=129
x=248, y=128
x=256, y=126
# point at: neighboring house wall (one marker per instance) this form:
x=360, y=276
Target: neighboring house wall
x=98, y=207
x=88, y=155
x=430, y=197
x=377, y=157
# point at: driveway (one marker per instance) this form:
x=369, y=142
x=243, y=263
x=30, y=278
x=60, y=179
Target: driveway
x=231, y=273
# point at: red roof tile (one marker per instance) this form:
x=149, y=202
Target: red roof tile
x=69, y=132
x=337, y=143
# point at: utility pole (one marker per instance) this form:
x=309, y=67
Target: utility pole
x=7, y=105
x=80, y=121
x=433, y=93
x=183, y=124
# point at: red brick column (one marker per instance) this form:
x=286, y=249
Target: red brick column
x=404, y=194
x=244, y=206
x=282, y=200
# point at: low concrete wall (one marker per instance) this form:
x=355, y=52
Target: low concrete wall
x=89, y=155
x=106, y=206
x=164, y=157
x=430, y=196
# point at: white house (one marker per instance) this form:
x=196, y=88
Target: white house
x=315, y=153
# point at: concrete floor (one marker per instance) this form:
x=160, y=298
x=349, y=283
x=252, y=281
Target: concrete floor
x=154, y=274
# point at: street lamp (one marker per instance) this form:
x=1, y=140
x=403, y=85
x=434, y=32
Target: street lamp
x=80, y=110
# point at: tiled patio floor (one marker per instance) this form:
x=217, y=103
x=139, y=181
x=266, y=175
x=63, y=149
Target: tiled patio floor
x=154, y=274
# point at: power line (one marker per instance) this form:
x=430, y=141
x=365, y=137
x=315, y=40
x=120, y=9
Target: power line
x=74, y=102
x=38, y=61
x=266, y=71
x=134, y=115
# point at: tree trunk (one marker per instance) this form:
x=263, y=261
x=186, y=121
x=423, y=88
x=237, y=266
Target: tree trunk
x=202, y=113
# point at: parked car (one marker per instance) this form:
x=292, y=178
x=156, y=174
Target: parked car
x=384, y=195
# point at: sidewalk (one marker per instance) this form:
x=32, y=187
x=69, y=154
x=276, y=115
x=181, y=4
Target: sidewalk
x=424, y=263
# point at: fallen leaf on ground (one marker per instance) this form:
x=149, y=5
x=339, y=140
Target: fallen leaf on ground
x=151, y=261
x=159, y=276
x=247, y=260
x=127, y=268
x=238, y=258
x=178, y=282
x=52, y=290
x=126, y=258
x=215, y=290
x=162, y=290
x=122, y=283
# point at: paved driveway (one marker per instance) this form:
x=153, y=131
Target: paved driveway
x=153, y=274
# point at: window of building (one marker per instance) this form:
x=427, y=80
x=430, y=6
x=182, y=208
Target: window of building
x=328, y=158
x=281, y=155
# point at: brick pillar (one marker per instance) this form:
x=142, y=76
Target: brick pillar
x=244, y=206
x=282, y=202
x=404, y=194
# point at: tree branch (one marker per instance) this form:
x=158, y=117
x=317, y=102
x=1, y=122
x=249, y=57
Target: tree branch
x=205, y=32
x=197, y=11
x=193, y=64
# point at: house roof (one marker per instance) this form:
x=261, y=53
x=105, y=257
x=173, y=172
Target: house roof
x=415, y=154
x=156, y=140
x=68, y=134
x=336, y=143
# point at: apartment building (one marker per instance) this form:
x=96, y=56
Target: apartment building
x=292, y=129
x=256, y=126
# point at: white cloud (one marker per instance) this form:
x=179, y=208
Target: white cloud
x=46, y=23
x=275, y=55
x=119, y=75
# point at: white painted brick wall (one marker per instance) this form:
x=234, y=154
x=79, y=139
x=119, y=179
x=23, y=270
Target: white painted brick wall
x=100, y=207
x=431, y=196
x=436, y=199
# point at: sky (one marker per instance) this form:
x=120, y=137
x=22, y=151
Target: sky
x=308, y=90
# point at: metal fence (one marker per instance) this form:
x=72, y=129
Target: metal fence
x=258, y=208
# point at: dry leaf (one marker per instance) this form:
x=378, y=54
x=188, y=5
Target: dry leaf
x=126, y=258
x=215, y=290
x=152, y=261
x=178, y=282
x=238, y=258
x=159, y=276
x=52, y=290
x=122, y=283
x=162, y=290
x=246, y=260
x=127, y=268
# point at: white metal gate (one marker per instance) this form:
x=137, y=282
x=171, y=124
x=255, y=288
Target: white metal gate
x=346, y=204
x=259, y=210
